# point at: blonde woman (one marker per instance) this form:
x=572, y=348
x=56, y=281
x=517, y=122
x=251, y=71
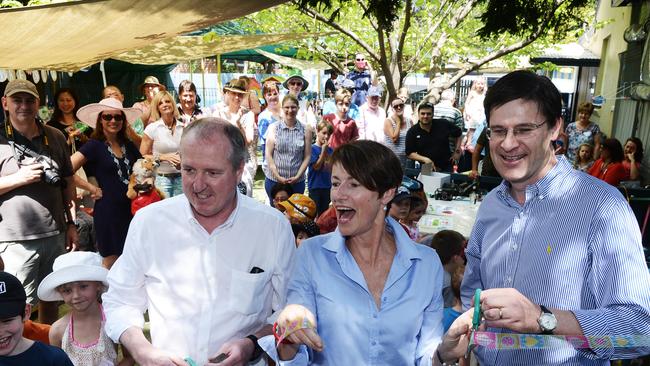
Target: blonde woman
x=161, y=139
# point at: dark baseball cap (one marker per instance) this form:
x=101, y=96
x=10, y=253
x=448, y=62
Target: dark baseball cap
x=12, y=296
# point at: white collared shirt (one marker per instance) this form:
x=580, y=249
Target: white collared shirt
x=371, y=123
x=196, y=285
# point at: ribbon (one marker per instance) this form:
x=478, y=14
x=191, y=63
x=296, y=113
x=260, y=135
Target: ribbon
x=511, y=341
x=283, y=331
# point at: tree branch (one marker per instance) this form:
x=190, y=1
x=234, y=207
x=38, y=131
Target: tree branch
x=317, y=15
x=408, y=6
x=365, y=11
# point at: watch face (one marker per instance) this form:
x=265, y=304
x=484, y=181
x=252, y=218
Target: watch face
x=547, y=322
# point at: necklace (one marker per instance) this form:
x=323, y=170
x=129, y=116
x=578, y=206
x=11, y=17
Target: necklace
x=123, y=177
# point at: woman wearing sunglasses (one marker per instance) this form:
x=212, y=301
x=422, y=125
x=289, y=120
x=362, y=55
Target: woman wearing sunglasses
x=109, y=156
x=395, y=128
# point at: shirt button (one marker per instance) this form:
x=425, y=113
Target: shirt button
x=385, y=299
x=374, y=343
x=514, y=246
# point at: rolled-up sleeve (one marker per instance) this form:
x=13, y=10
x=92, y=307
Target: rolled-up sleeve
x=126, y=300
x=619, y=282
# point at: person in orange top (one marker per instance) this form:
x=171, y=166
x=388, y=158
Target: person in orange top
x=610, y=167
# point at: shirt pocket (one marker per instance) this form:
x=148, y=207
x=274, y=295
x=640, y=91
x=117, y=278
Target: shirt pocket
x=248, y=292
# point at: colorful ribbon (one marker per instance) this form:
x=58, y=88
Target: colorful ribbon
x=283, y=331
x=507, y=341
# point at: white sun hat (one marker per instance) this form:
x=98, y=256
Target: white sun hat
x=71, y=267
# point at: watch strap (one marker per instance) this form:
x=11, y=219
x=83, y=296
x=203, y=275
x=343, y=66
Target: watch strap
x=257, y=352
x=545, y=310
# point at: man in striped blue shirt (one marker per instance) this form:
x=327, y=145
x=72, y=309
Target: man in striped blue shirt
x=555, y=251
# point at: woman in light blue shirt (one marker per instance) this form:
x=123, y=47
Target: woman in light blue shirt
x=373, y=295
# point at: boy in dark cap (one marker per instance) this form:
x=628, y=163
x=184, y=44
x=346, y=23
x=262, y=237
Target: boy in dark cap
x=14, y=348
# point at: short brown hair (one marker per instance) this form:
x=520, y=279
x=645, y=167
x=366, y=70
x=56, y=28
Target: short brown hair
x=341, y=95
x=372, y=164
x=447, y=244
x=586, y=107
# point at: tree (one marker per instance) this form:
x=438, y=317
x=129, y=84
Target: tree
x=427, y=35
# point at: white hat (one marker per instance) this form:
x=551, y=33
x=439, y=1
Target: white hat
x=88, y=113
x=71, y=267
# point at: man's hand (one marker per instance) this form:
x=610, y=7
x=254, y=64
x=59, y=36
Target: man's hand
x=473, y=174
x=239, y=351
x=508, y=308
x=28, y=174
x=155, y=357
x=71, y=238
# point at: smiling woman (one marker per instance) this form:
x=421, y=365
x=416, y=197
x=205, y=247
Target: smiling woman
x=369, y=260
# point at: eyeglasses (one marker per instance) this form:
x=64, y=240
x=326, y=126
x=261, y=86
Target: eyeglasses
x=360, y=59
x=399, y=106
x=109, y=117
x=520, y=131
x=295, y=83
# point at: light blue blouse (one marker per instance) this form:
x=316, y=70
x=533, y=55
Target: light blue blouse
x=405, y=330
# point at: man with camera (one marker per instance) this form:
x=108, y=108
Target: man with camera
x=36, y=193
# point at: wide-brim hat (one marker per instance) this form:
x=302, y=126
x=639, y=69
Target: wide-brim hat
x=296, y=74
x=236, y=86
x=88, y=113
x=150, y=80
x=72, y=267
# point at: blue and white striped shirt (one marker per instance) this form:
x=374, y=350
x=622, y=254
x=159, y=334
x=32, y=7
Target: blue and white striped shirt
x=574, y=245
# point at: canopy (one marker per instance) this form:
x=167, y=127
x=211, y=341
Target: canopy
x=294, y=62
x=184, y=48
x=74, y=35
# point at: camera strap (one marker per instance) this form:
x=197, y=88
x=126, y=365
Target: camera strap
x=23, y=148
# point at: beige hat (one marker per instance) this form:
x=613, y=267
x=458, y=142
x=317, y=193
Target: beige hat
x=236, y=86
x=88, y=113
x=20, y=86
x=151, y=80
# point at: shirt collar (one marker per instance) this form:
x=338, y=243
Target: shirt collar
x=406, y=250
x=543, y=187
x=229, y=221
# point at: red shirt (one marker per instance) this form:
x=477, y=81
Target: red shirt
x=344, y=130
x=613, y=174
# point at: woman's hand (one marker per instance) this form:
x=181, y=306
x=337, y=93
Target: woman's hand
x=298, y=325
x=455, y=341
x=630, y=157
x=96, y=193
x=173, y=158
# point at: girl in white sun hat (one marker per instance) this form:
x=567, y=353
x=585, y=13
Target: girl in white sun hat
x=79, y=279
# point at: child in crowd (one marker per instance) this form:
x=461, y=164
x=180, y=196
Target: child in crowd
x=319, y=175
x=416, y=211
x=450, y=246
x=280, y=192
x=31, y=330
x=584, y=158
x=344, y=127
x=454, y=311
x=79, y=279
x=304, y=230
x=16, y=350
x=400, y=205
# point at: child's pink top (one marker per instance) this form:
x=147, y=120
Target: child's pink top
x=100, y=352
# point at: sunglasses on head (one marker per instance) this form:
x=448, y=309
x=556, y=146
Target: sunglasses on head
x=109, y=117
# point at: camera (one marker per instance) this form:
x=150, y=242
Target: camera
x=51, y=173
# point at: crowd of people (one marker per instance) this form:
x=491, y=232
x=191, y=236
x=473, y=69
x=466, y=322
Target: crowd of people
x=333, y=268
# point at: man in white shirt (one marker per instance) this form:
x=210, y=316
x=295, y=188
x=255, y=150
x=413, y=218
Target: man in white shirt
x=210, y=266
x=371, y=117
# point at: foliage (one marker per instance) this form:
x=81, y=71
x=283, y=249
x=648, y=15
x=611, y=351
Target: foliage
x=430, y=36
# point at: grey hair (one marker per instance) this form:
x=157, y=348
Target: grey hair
x=448, y=94
x=206, y=129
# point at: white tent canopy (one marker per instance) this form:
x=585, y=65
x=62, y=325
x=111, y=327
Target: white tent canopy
x=74, y=35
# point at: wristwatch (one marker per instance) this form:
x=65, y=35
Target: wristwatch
x=258, y=351
x=547, y=321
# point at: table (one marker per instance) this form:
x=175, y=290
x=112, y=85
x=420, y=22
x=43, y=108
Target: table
x=458, y=215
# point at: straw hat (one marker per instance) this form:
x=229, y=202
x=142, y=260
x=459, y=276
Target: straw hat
x=236, y=86
x=72, y=267
x=151, y=80
x=88, y=113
